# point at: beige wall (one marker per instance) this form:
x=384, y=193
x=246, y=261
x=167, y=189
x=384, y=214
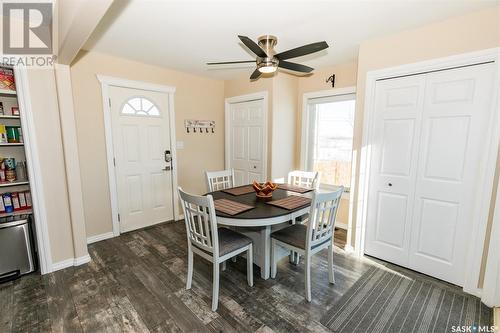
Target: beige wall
x=283, y=125
x=471, y=32
x=345, y=76
x=195, y=98
x=48, y=142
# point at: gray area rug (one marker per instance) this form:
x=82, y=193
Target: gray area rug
x=387, y=301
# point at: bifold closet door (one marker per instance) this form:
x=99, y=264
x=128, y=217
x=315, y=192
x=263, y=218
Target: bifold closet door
x=394, y=147
x=457, y=109
x=428, y=134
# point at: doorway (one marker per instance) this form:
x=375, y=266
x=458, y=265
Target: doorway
x=140, y=139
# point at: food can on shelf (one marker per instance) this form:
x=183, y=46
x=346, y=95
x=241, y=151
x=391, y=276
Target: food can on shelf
x=7, y=201
x=10, y=163
x=10, y=175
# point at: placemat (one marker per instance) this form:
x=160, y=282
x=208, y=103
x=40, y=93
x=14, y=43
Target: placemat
x=230, y=207
x=291, y=202
x=239, y=190
x=293, y=188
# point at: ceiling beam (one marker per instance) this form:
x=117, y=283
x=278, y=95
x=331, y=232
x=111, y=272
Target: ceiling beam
x=76, y=22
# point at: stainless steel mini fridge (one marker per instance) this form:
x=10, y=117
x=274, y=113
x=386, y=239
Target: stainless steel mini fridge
x=16, y=249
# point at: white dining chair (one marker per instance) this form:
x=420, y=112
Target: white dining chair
x=309, y=179
x=219, y=180
x=209, y=242
x=309, y=239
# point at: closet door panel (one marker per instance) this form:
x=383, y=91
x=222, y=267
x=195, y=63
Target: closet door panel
x=394, y=148
x=455, y=117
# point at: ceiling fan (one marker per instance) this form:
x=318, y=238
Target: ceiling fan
x=268, y=60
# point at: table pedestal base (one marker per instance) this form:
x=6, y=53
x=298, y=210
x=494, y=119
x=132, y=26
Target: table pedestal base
x=261, y=237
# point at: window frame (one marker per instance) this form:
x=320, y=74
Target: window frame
x=147, y=115
x=306, y=133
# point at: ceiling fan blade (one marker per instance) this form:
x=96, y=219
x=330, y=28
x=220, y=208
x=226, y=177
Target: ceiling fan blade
x=295, y=67
x=302, y=50
x=255, y=75
x=230, y=62
x=253, y=46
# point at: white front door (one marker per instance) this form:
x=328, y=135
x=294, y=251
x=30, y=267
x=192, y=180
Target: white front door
x=141, y=139
x=426, y=144
x=246, y=141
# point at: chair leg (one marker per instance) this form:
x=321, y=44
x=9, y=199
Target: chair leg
x=189, y=278
x=215, y=288
x=307, y=266
x=223, y=266
x=250, y=265
x=273, y=259
x=331, y=276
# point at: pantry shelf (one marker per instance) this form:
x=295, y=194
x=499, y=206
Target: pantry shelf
x=8, y=92
x=7, y=116
x=14, y=183
x=18, y=212
x=11, y=144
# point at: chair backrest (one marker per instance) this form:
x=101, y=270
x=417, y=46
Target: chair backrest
x=304, y=178
x=201, y=223
x=220, y=180
x=322, y=217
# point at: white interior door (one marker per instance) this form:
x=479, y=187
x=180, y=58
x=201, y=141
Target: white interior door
x=426, y=146
x=246, y=141
x=457, y=107
x=394, y=145
x=141, y=137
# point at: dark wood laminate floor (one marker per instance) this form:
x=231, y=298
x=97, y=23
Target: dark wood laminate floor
x=136, y=283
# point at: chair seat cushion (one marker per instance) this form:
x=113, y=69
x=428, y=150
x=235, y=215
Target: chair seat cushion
x=230, y=240
x=294, y=235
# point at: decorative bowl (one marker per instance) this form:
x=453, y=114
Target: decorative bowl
x=264, y=190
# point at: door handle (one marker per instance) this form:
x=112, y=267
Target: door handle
x=167, y=168
x=389, y=184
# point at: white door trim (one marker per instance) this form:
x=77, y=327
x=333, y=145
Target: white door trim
x=263, y=95
x=305, y=116
x=34, y=170
x=106, y=83
x=487, y=164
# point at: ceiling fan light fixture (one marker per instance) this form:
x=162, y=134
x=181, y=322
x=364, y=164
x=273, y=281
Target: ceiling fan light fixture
x=269, y=65
x=267, y=69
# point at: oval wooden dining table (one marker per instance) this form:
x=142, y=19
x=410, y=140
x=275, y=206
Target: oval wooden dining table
x=258, y=223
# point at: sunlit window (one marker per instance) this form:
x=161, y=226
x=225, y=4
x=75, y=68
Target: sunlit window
x=140, y=106
x=329, y=141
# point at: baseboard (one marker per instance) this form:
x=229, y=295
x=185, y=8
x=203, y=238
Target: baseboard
x=70, y=262
x=98, y=238
x=82, y=260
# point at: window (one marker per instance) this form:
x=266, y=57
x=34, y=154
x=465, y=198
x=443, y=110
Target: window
x=329, y=138
x=140, y=106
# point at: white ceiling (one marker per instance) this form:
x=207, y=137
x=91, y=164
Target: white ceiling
x=184, y=35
